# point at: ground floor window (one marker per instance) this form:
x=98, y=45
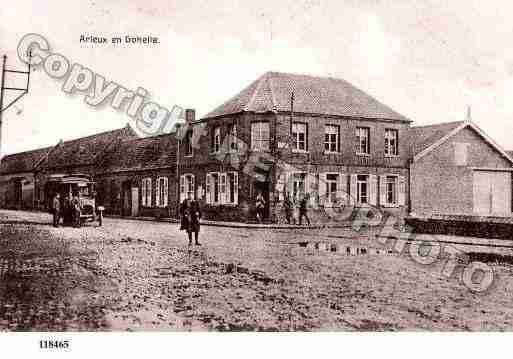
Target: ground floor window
x=186, y=186
x=162, y=191
x=222, y=188
x=298, y=185
x=331, y=187
x=391, y=190
x=145, y=192
x=362, y=189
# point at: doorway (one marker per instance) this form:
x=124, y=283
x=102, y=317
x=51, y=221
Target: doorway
x=263, y=188
x=492, y=193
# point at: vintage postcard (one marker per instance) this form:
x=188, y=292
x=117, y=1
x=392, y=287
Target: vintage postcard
x=283, y=166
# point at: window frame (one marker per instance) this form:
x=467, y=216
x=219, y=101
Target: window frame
x=295, y=137
x=259, y=140
x=366, y=151
x=328, y=182
x=359, y=185
x=189, y=150
x=396, y=190
x=163, y=191
x=146, y=192
x=395, y=140
x=329, y=142
x=295, y=195
x=232, y=132
x=216, y=139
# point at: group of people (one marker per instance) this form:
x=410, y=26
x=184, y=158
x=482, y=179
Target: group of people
x=288, y=205
x=190, y=214
x=69, y=209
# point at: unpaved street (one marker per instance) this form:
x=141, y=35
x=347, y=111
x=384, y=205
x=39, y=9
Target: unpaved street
x=138, y=275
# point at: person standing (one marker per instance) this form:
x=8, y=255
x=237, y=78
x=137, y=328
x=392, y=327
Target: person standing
x=289, y=209
x=56, y=206
x=303, y=209
x=190, y=215
x=260, y=205
x=76, y=210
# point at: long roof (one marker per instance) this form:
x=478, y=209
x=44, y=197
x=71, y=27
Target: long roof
x=141, y=154
x=78, y=152
x=85, y=150
x=22, y=161
x=312, y=95
x=424, y=139
x=421, y=137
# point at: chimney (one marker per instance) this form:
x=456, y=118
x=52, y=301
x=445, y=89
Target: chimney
x=190, y=115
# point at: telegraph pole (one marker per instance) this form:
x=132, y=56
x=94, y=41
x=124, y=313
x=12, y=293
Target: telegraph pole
x=3, y=88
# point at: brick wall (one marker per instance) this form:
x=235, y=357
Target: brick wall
x=440, y=186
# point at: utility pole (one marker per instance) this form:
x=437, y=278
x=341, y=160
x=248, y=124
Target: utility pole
x=3, y=88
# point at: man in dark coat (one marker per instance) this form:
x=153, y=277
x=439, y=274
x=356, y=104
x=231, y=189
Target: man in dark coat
x=56, y=206
x=303, y=209
x=190, y=214
x=289, y=209
x=76, y=207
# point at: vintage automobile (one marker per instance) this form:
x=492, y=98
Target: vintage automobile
x=68, y=186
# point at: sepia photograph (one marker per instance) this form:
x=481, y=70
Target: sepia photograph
x=335, y=167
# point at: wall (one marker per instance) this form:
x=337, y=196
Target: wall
x=7, y=190
x=204, y=161
x=440, y=186
x=110, y=192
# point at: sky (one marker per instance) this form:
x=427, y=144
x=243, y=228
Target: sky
x=428, y=60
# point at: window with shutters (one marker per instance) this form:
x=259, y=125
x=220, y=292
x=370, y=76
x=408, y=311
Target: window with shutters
x=362, y=189
x=299, y=136
x=331, y=187
x=162, y=192
x=222, y=188
x=232, y=188
x=391, y=142
x=146, y=192
x=260, y=136
x=391, y=190
x=186, y=186
x=331, y=138
x=362, y=140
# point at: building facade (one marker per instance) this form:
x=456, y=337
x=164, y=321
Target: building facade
x=284, y=135
x=457, y=170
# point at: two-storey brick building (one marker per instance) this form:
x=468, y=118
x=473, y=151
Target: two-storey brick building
x=287, y=135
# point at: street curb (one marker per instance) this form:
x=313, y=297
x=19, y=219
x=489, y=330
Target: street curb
x=236, y=224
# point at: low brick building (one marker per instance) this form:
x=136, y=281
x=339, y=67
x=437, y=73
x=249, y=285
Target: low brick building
x=458, y=170
x=17, y=182
x=138, y=178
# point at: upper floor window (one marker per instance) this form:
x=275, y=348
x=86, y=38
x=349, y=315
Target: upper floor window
x=299, y=135
x=216, y=141
x=188, y=143
x=331, y=138
x=391, y=142
x=232, y=130
x=260, y=136
x=362, y=140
